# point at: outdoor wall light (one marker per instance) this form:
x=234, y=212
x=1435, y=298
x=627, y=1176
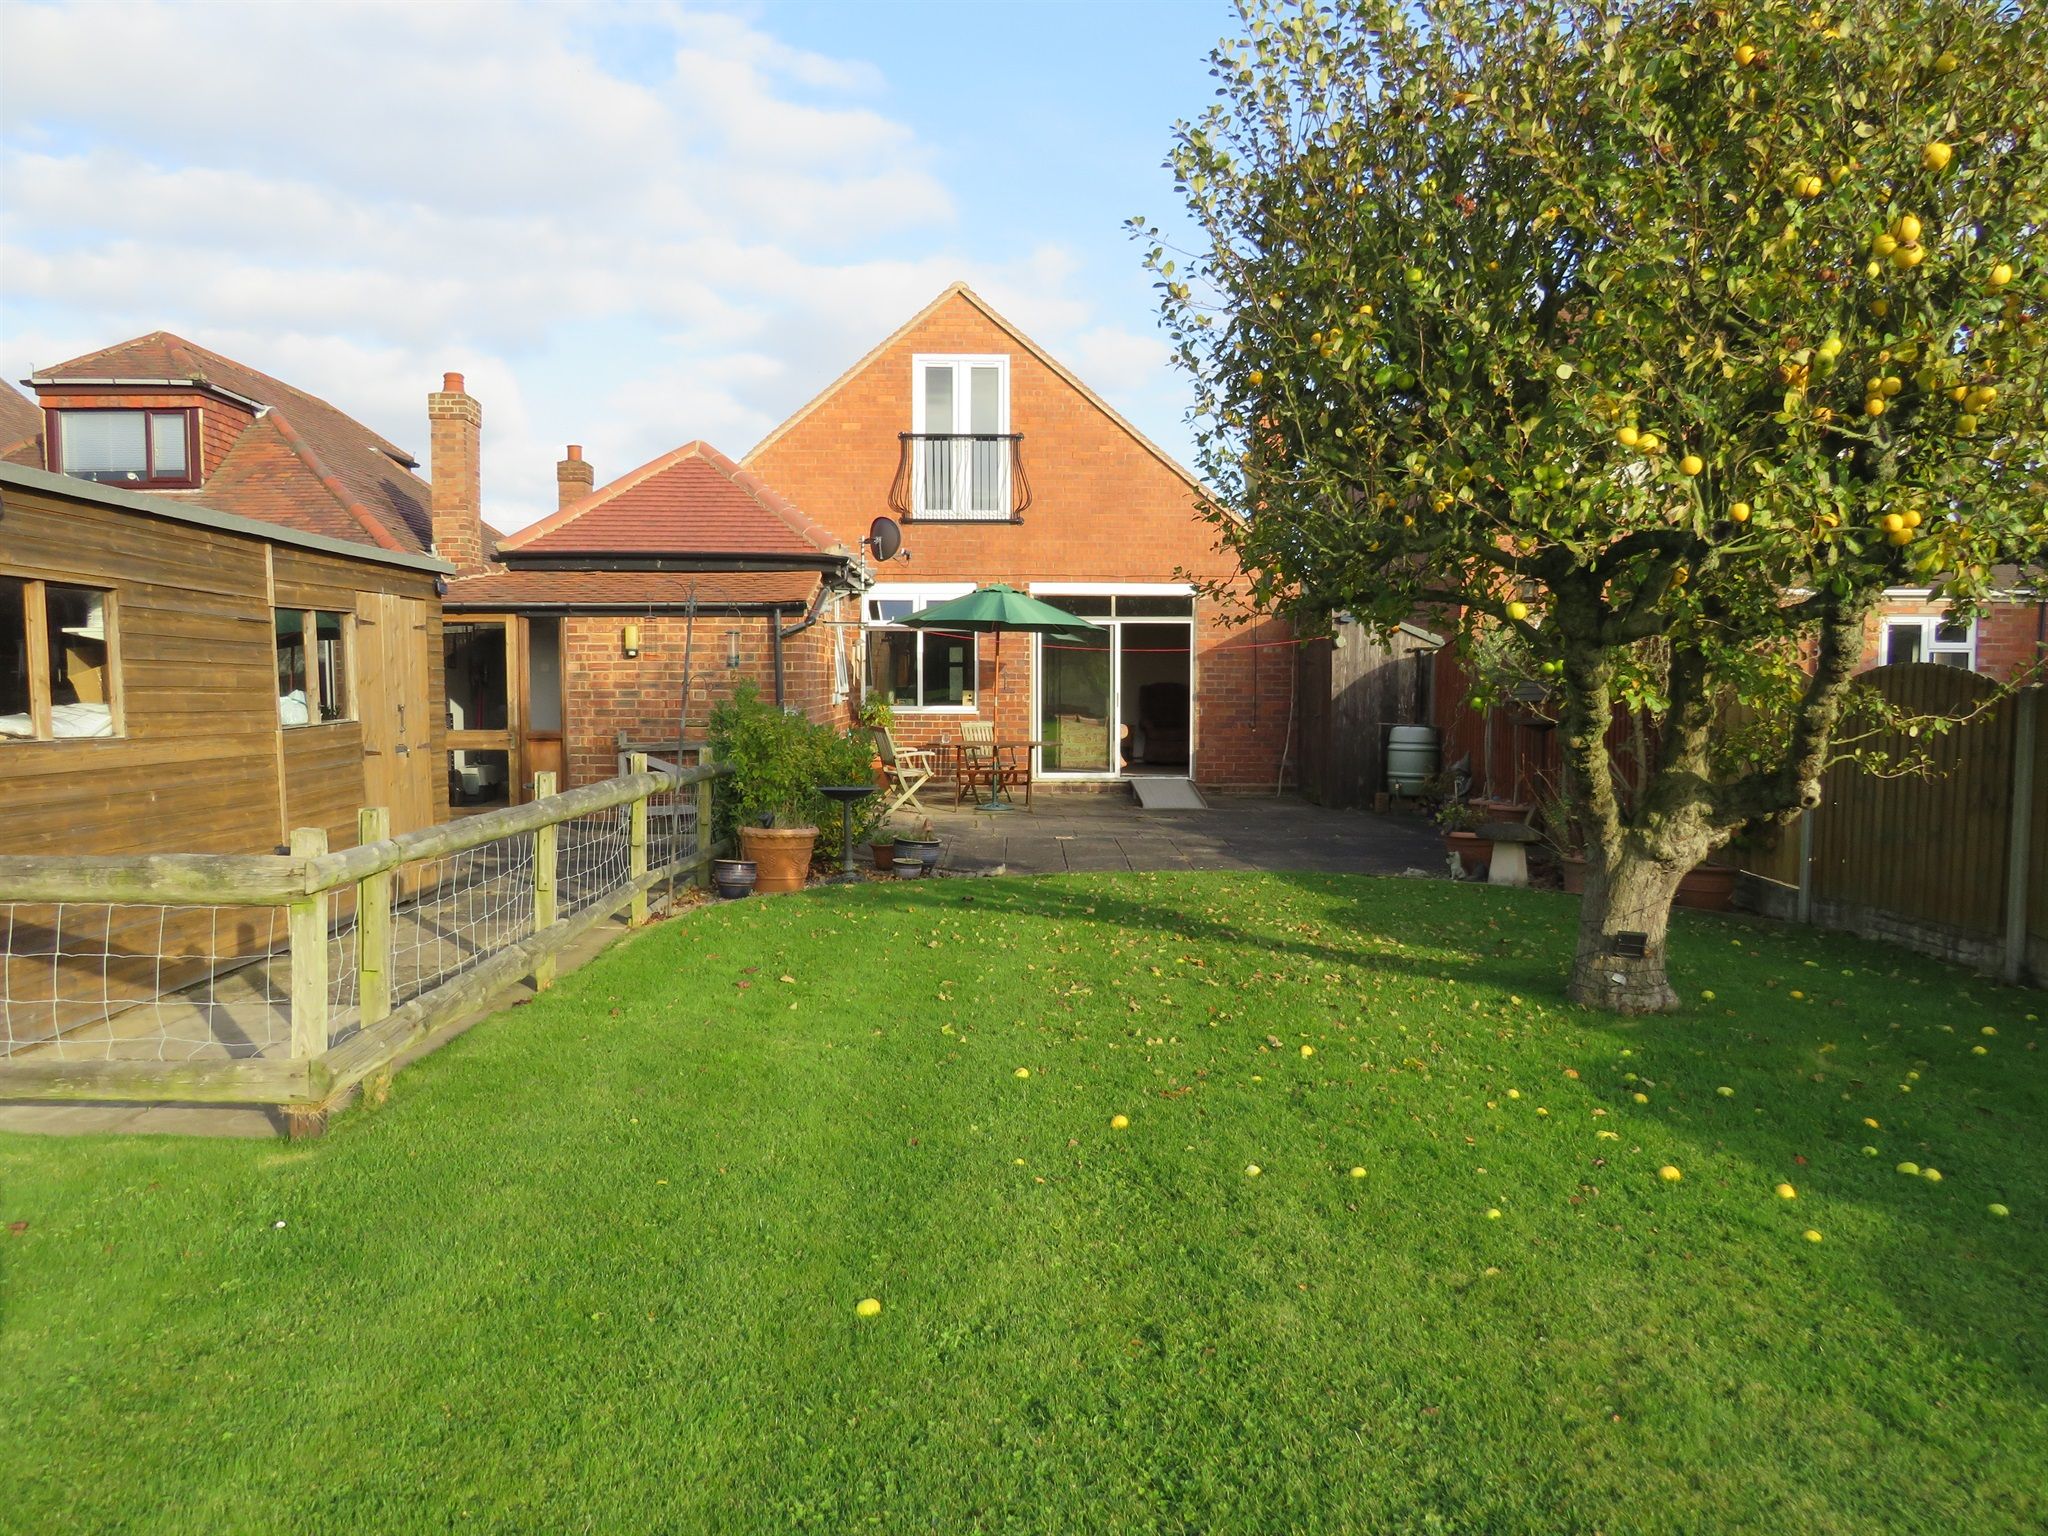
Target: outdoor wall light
x=732, y=649
x=629, y=639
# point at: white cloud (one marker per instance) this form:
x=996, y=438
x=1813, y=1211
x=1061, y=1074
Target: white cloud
x=628, y=225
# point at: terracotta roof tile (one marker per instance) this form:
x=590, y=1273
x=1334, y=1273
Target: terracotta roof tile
x=270, y=476
x=344, y=466
x=21, y=428
x=637, y=590
x=693, y=501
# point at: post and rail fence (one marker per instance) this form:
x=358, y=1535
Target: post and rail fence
x=289, y=979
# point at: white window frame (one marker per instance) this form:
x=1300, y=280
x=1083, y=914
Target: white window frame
x=1929, y=625
x=962, y=363
x=1052, y=592
x=920, y=596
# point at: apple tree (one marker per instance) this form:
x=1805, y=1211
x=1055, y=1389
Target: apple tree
x=1663, y=336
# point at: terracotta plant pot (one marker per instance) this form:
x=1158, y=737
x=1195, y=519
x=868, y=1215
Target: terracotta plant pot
x=1709, y=888
x=733, y=878
x=1473, y=851
x=1706, y=888
x=885, y=856
x=782, y=854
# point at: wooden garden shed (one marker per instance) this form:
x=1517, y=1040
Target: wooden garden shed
x=177, y=679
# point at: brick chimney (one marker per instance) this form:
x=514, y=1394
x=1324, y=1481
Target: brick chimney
x=573, y=477
x=455, y=423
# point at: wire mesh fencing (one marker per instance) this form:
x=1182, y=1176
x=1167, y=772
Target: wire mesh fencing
x=450, y=914
x=83, y=981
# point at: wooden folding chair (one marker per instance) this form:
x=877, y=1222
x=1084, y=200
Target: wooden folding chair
x=980, y=766
x=907, y=770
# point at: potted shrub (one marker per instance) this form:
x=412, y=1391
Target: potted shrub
x=733, y=878
x=924, y=848
x=770, y=799
x=1561, y=833
x=884, y=850
x=780, y=850
x=876, y=713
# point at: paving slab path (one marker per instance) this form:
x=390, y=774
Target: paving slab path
x=1075, y=832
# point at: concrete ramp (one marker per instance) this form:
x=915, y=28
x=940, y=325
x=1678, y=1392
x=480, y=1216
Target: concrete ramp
x=1165, y=794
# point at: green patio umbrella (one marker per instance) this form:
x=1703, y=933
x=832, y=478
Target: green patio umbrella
x=996, y=610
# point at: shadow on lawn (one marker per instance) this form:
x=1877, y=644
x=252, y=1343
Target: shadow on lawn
x=1946, y=1273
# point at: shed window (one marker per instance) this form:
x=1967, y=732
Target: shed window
x=312, y=667
x=57, y=662
x=126, y=447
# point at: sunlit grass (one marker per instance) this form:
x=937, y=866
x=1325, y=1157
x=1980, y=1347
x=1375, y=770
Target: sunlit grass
x=596, y=1265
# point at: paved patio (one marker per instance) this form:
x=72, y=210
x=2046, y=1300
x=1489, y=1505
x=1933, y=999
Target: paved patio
x=1084, y=831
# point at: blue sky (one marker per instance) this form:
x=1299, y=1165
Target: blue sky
x=627, y=224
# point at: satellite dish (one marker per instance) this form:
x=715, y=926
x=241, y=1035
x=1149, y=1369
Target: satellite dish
x=885, y=538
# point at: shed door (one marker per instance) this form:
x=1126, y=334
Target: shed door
x=398, y=757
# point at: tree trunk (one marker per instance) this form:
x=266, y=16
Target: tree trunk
x=1628, y=899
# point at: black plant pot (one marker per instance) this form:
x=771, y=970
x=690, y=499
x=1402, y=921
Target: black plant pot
x=733, y=878
x=925, y=850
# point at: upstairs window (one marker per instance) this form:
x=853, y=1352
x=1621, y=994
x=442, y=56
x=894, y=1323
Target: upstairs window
x=1933, y=638
x=57, y=662
x=960, y=434
x=133, y=448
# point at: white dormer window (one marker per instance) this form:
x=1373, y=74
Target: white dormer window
x=960, y=434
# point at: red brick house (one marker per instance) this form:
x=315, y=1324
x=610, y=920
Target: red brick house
x=164, y=415
x=1003, y=466
x=2008, y=641
x=568, y=643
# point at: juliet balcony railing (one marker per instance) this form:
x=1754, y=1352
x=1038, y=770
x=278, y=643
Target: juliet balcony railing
x=960, y=477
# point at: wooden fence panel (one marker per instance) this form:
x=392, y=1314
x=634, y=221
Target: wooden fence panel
x=2037, y=849
x=1927, y=848
x=1353, y=688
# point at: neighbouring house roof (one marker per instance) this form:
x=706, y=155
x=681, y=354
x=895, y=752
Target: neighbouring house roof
x=968, y=295
x=693, y=502
x=22, y=477
x=21, y=428
x=301, y=464
x=632, y=591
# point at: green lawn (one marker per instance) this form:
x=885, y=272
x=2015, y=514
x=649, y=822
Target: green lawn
x=594, y=1266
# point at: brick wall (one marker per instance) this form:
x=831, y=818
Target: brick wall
x=1104, y=509
x=606, y=691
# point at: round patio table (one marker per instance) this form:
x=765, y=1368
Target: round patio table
x=1009, y=762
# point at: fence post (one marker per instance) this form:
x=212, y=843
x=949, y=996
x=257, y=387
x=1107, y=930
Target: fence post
x=373, y=922
x=308, y=927
x=636, y=865
x=1805, y=912
x=705, y=847
x=2020, y=832
x=544, y=909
